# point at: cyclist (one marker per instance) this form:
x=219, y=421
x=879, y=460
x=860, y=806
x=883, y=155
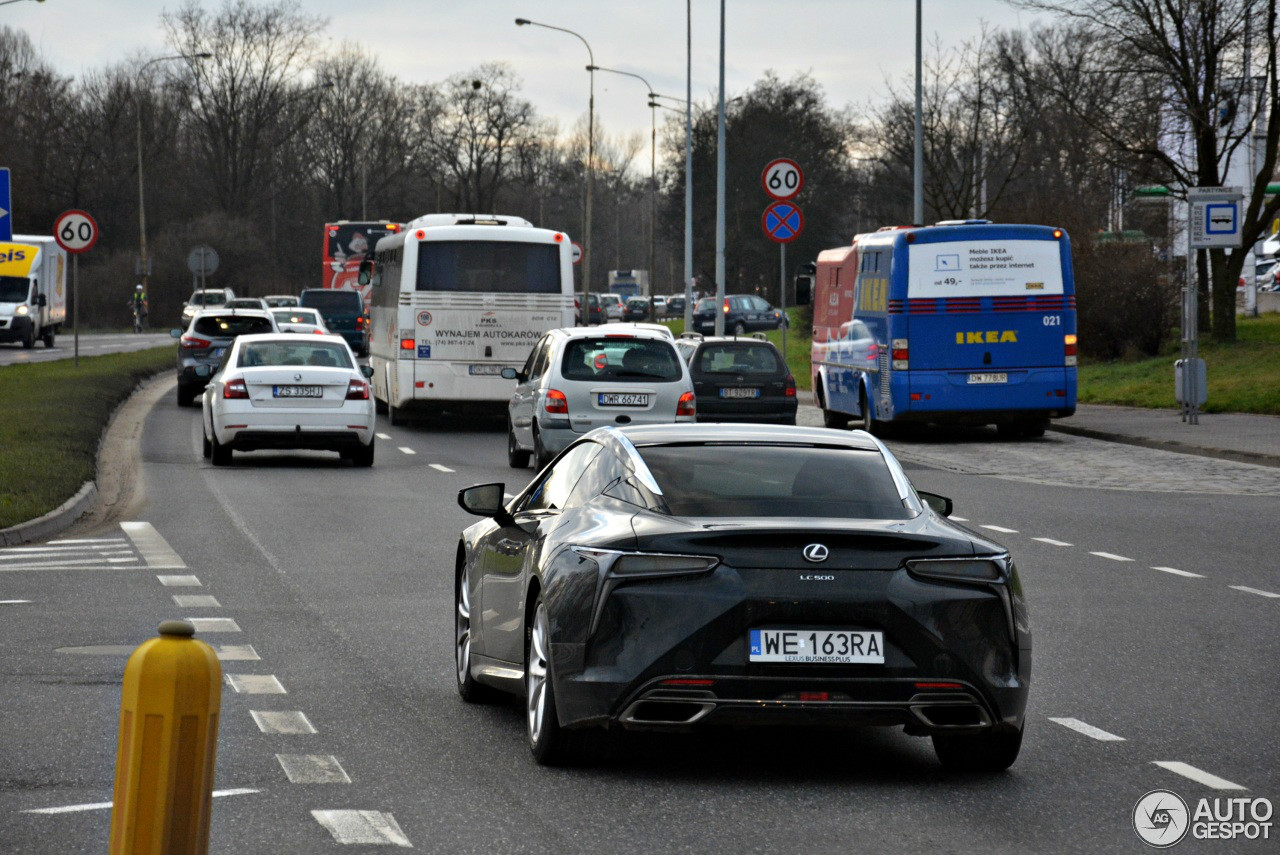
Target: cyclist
x=138, y=302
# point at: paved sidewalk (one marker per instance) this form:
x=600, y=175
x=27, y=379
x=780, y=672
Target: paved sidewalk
x=1231, y=436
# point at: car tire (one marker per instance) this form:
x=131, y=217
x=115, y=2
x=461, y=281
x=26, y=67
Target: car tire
x=379, y=406
x=363, y=456
x=831, y=418
x=517, y=458
x=29, y=341
x=985, y=753
x=219, y=454
x=206, y=447
x=739, y=328
x=541, y=457
x=47, y=337
x=1009, y=431
x=468, y=689
x=549, y=743
x=395, y=415
x=862, y=422
x=185, y=396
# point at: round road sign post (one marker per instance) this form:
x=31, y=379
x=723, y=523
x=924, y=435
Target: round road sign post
x=782, y=178
x=577, y=252
x=76, y=232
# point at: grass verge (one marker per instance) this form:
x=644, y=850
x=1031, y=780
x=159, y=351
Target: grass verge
x=53, y=417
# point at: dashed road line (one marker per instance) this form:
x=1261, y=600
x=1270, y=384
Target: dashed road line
x=291, y=722
x=1260, y=593
x=383, y=436
x=959, y=519
x=236, y=653
x=180, y=581
x=255, y=684
x=1111, y=555
x=1176, y=572
x=1087, y=729
x=196, y=601
x=88, y=540
x=313, y=769
x=1000, y=529
x=1198, y=775
x=407, y=450
x=13, y=602
x=440, y=468
x=213, y=624
x=362, y=826
x=153, y=548
x=1051, y=541
x=217, y=794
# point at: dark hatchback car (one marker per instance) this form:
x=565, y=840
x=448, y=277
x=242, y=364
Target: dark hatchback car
x=743, y=313
x=739, y=380
x=677, y=591
x=202, y=345
x=343, y=313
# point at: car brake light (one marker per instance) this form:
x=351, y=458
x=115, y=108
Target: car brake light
x=900, y=353
x=688, y=681
x=939, y=685
x=235, y=389
x=359, y=323
x=406, y=344
x=318, y=332
x=726, y=307
x=190, y=341
x=357, y=390
x=1069, y=349
x=557, y=402
x=790, y=387
x=687, y=406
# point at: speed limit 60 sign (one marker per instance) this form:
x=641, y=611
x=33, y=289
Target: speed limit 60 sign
x=782, y=178
x=75, y=231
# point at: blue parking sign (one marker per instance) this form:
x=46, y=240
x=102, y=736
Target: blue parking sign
x=424, y=351
x=6, y=206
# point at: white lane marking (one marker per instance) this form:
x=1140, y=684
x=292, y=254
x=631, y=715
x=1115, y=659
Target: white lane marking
x=54, y=551
x=1260, y=593
x=1087, y=729
x=1051, y=541
x=180, y=581
x=122, y=560
x=1198, y=775
x=13, y=602
x=959, y=519
x=509, y=497
x=83, y=564
x=289, y=721
x=196, y=601
x=255, y=684
x=153, y=548
x=407, y=450
x=1000, y=529
x=90, y=540
x=362, y=826
x=385, y=436
x=1111, y=555
x=217, y=794
x=236, y=653
x=1175, y=571
x=213, y=624
x=313, y=769
x=440, y=468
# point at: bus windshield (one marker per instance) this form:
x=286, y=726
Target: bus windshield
x=500, y=267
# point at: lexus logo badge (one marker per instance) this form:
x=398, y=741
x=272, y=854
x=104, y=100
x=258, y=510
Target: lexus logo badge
x=815, y=552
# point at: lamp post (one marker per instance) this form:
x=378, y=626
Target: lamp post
x=653, y=176
x=142, y=205
x=720, y=180
x=591, y=155
x=918, y=179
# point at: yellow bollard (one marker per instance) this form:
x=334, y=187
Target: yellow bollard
x=168, y=739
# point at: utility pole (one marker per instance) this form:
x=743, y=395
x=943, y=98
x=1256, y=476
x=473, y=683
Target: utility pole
x=720, y=189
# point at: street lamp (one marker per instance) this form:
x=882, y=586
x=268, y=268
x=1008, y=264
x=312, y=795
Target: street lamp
x=591, y=153
x=142, y=206
x=653, y=175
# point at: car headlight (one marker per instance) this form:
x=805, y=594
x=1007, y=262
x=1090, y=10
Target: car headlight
x=21, y=310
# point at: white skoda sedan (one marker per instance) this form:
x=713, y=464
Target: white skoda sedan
x=288, y=391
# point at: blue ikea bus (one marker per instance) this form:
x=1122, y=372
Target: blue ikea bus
x=964, y=322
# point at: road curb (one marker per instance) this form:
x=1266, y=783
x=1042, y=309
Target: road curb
x=59, y=519
x=1169, y=445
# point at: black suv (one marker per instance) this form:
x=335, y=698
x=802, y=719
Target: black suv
x=343, y=313
x=202, y=345
x=743, y=313
x=739, y=380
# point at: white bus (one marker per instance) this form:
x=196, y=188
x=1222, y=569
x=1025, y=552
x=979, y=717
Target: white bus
x=454, y=299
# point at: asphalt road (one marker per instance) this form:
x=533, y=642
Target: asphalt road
x=90, y=345
x=340, y=581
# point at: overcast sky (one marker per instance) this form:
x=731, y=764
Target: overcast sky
x=850, y=46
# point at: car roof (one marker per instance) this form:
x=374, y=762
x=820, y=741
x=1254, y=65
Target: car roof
x=634, y=330
x=732, y=339
x=288, y=336
x=239, y=313
x=670, y=434
x=631, y=326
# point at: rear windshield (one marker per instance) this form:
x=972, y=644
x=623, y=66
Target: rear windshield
x=784, y=481
x=296, y=316
x=224, y=326
x=293, y=353
x=210, y=298
x=620, y=359
x=707, y=304
x=332, y=301
x=282, y=301
x=738, y=359
x=502, y=267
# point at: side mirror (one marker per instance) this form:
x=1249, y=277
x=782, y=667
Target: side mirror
x=367, y=371
x=484, y=500
x=511, y=374
x=42, y=300
x=938, y=504
x=175, y=333
x=804, y=290
x=364, y=276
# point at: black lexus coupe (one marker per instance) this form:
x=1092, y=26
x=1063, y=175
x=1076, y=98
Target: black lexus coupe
x=682, y=576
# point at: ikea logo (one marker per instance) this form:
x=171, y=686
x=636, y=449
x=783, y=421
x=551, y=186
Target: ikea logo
x=13, y=255
x=987, y=337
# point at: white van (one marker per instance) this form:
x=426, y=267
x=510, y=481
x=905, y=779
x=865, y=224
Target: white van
x=33, y=289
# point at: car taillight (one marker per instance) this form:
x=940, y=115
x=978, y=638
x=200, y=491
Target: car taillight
x=359, y=322
x=557, y=402
x=235, y=389
x=790, y=387
x=900, y=354
x=357, y=390
x=1069, y=349
x=318, y=332
x=406, y=344
x=726, y=307
x=687, y=406
x=191, y=342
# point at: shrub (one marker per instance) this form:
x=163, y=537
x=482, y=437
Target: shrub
x=1126, y=299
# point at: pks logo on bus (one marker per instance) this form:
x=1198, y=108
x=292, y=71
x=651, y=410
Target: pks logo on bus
x=489, y=319
x=987, y=337
x=424, y=319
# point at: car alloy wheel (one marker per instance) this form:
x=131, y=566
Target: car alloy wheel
x=537, y=685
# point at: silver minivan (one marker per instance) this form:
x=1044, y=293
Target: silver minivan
x=578, y=379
